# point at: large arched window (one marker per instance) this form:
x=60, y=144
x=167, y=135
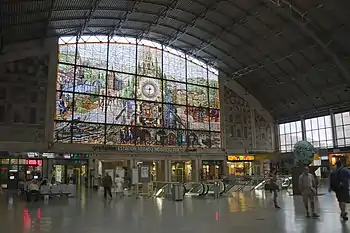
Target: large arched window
x=121, y=92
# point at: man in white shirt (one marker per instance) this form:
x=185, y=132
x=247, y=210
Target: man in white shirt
x=33, y=191
x=307, y=186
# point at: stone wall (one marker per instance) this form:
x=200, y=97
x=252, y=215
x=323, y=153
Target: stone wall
x=27, y=76
x=244, y=128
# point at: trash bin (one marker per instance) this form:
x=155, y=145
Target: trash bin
x=178, y=192
x=216, y=190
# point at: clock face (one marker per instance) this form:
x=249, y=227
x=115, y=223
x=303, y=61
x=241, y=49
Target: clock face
x=149, y=90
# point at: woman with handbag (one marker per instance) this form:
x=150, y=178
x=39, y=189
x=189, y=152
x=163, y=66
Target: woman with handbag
x=274, y=186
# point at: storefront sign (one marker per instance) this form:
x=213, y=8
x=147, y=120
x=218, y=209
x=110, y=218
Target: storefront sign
x=240, y=158
x=33, y=162
x=138, y=149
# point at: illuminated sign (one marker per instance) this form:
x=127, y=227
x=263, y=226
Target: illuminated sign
x=240, y=158
x=138, y=149
x=33, y=162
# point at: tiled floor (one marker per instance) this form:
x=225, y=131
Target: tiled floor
x=243, y=213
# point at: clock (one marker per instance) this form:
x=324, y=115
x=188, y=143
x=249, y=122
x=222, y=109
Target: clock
x=149, y=90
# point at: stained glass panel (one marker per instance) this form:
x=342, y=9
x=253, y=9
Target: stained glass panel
x=64, y=105
x=90, y=81
x=135, y=98
x=62, y=132
x=196, y=74
x=149, y=89
x=149, y=114
x=122, y=57
x=120, y=111
x=67, y=53
x=88, y=133
x=116, y=135
x=146, y=136
x=198, y=139
x=149, y=61
x=174, y=67
x=89, y=108
x=214, y=119
x=215, y=139
x=169, y=137
x=214, y=98
x=174, y=92
x=175, y=116
x=120, y=85
x=92, y=55
x=65, y=77
x=198, y=118
x=197, y=96
x=213, y=79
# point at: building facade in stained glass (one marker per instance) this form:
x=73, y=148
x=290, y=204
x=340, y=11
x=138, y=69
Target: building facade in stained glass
x=121, y=92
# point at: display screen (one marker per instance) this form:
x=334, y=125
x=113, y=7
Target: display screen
x=240, y=158
x=34, y=162
x=122, y=92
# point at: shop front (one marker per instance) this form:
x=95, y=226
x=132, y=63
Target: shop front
x=342, y=156
x=20, y=168
x=240, y=165
x=68, y=171
x=181, y=171
x=212, y=169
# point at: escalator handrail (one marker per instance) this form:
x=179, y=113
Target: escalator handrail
x=207, y=190
x=243, y=186
x=224, y=189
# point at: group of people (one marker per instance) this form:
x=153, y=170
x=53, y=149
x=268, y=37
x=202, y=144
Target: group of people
x=338, y=183
x=108, y=183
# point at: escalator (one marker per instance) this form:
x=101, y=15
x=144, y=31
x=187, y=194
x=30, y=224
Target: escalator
x=197, y=189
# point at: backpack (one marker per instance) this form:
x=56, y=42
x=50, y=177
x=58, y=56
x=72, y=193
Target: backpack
x=335, y=183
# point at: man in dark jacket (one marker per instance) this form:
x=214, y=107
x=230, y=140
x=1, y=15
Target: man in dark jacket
x=107, y=185
x=339, y=183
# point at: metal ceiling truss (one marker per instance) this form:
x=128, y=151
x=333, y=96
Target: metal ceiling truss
x=212, y=6
x=47, y=23
x=162, y=15
x=300, y=19
x=116, y=29
x=94, y=6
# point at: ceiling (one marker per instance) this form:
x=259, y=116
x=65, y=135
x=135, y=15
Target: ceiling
x=293, y=56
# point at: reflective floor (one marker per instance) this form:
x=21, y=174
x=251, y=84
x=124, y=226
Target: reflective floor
x=243, y=213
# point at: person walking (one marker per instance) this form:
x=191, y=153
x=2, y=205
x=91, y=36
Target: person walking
x=307, y=187
x=119, y=183
x=274, y=187
x=107, y=185
x=339, y=183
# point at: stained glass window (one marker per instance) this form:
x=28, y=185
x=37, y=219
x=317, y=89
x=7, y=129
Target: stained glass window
x=123, y=92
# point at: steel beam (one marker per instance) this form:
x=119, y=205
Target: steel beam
x=52, y=4
x=125, y=19
x=174, y=37
x=163, y=14
x=300, y=19
x=94, y=6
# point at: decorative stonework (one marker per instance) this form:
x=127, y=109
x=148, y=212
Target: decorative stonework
x=237, y=121
x=263, y=133
x=23, y=94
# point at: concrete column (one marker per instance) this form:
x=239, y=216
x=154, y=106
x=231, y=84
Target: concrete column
x=167, y=169
x=253, y=128
x=303, y=128
x=195, y=171
x=224, y=168
x=334, y=131
x=277, y=136
x=160, y=170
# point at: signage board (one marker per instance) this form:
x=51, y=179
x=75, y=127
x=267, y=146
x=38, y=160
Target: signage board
x=240, y=157
x=149, y=149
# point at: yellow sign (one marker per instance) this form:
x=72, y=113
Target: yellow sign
x=240, y=158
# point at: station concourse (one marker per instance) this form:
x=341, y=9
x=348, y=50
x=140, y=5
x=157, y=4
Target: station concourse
x=188, y=107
